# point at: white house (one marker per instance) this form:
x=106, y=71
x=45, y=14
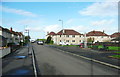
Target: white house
x=98, y=36
x=69, y=36
x=66, y=36
x=115, y=35
x=5, y=36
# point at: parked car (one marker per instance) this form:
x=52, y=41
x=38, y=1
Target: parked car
x=32, y=41
x=40, y=42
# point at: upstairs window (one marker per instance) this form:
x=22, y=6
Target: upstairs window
x=67, y=35
x=73, y=35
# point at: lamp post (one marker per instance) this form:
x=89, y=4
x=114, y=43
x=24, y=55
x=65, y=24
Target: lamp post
x=27, y=31
x=62, y=30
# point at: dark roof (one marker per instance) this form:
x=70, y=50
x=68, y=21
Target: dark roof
x=5, y=29
x=13, y=32
x=68, y=32
x=117, y=34
x=52, y=33
x=96, y=33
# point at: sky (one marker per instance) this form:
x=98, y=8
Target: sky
x=43, y=17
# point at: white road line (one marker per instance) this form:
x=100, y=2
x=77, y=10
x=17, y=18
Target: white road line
x=97, y=61
x=34, y=66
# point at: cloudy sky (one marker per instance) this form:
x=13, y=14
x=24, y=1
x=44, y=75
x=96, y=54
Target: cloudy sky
x=43, y=17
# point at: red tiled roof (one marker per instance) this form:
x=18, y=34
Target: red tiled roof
x=52, y=33
x=13, y=32
x=21, y=33
x=117, y=34
x=96, y=33
x=68, y=32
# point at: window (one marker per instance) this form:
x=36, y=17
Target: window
x=80, y=35
x=60, y=40
x=80, y=41
x=73, y=35
x=60, y=35
x=67, y=40
x=73, y=40
x=67, y=35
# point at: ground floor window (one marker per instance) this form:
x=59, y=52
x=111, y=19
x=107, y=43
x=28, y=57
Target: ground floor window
x=67, y=40
x=73, y=40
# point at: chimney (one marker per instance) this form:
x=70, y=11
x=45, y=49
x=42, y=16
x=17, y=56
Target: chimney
x=103, y=31
x=11, y=29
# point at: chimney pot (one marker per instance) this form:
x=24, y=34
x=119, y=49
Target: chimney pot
x=11, y=29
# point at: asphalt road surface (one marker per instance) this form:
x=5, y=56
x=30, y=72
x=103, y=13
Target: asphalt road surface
x=54, y=62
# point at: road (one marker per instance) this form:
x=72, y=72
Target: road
x=54, y=62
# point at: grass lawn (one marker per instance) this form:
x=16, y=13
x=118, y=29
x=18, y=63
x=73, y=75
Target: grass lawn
x=113, y=48
x=115, y=56
x=109, y=47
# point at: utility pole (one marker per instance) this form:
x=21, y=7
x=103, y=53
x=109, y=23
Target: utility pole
x=85, y=41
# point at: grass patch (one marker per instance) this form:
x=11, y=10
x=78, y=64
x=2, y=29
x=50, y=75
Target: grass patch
x=100, y=46
x=113, y=48
x=115, y=56
x=109, y=47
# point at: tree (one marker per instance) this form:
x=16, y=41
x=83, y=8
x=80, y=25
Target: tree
x=48, y=39
x=27, y=39
x=90, y=40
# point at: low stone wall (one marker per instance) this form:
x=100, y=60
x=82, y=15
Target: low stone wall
x=4, y=52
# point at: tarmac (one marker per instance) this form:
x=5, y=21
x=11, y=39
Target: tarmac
x=18, y=63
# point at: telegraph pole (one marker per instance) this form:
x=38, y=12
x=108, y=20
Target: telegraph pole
x=85, y=41
x=62, y=31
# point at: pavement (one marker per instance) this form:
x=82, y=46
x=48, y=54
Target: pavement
x=94, y=54
x=54, y=62
x=18, y=63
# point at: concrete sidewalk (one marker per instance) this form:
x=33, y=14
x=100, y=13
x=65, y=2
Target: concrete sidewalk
x=18, y=63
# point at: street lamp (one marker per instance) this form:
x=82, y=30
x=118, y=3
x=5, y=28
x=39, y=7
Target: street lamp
x=27, y=31
x=62, y=29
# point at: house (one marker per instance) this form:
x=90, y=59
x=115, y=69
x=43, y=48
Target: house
x=20, y=36
x=53, y=35
x=98, y=36
x=5, y=36
x=115, y=37
x=66, y=36
x=10, y=36
x=14, y=35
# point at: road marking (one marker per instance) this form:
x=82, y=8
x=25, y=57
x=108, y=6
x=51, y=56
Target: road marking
x=97, y=61
x=34, y=66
